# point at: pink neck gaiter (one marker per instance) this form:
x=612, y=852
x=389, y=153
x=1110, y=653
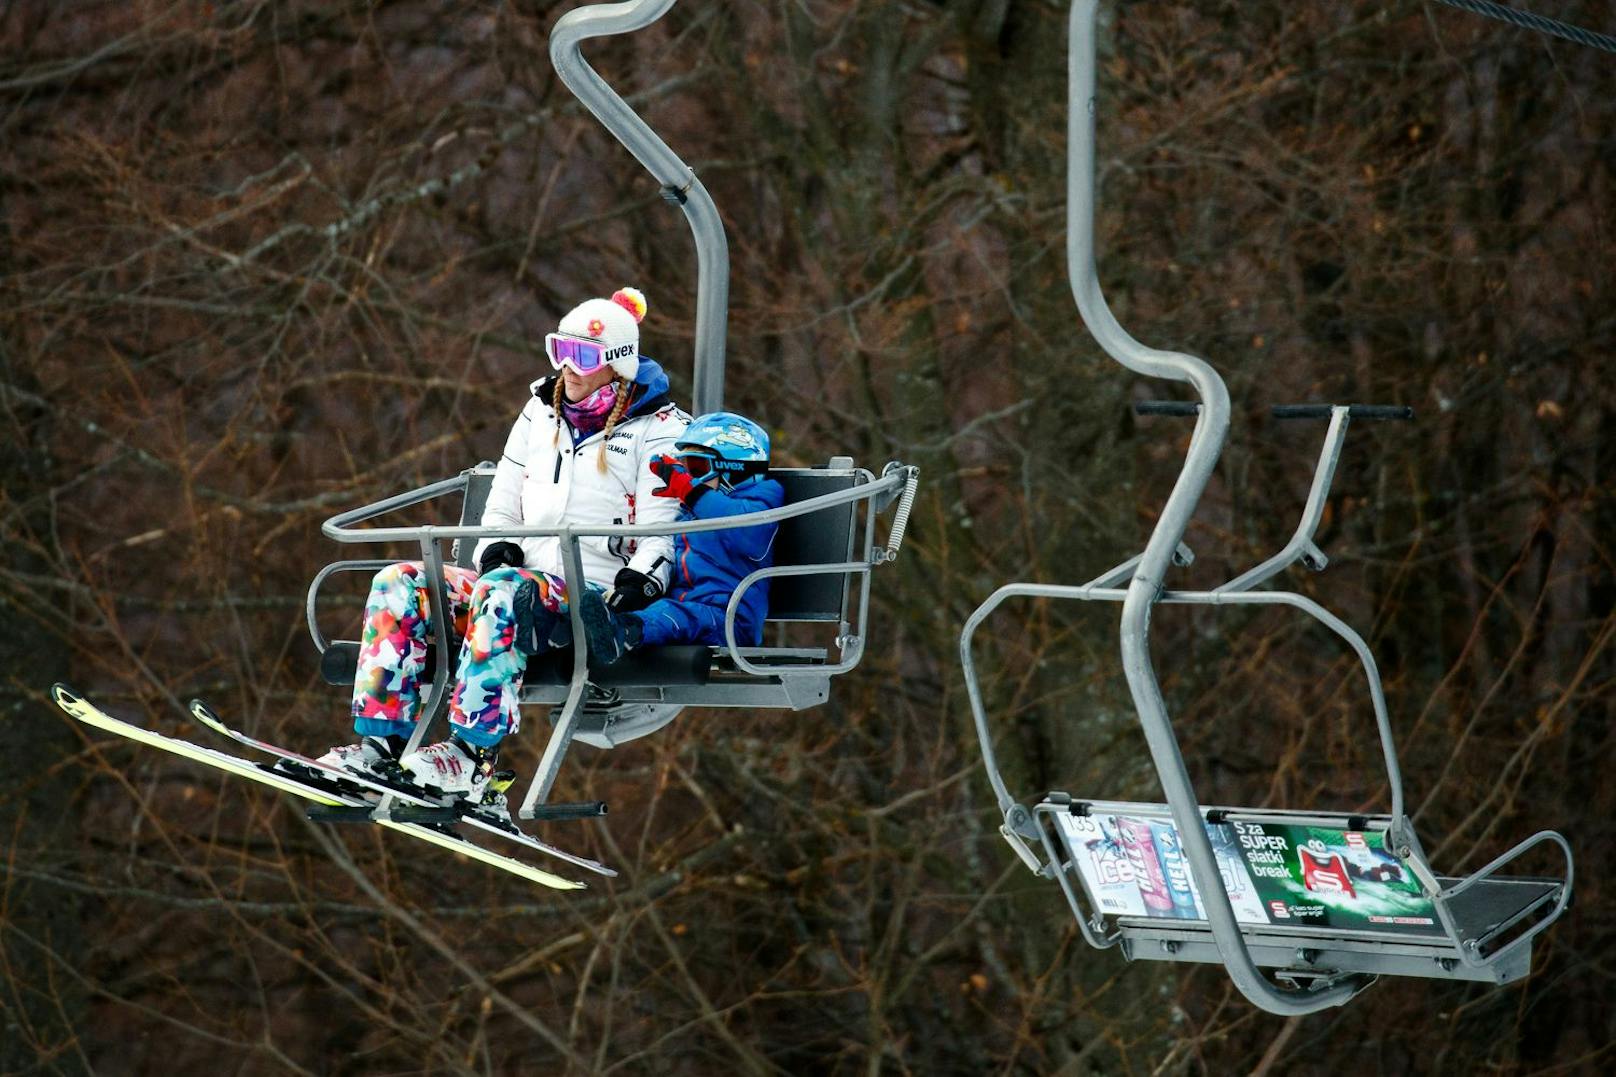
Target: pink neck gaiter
x=588, y=415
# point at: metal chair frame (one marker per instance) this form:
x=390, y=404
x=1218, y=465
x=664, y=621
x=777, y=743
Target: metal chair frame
x=897, y=483
x=1139, y=583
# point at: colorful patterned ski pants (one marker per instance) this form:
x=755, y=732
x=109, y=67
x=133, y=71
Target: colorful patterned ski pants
x=393, y=649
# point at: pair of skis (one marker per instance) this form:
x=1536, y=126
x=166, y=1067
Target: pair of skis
x=341, y=796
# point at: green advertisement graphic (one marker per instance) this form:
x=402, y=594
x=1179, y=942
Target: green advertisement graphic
x=1314, y=876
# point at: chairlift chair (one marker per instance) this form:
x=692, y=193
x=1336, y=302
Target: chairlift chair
x=1327, y=900
x=826, y=536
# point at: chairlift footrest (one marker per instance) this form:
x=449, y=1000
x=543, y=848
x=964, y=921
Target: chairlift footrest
x=588, y=809
x=1181, y=409
x=342, y=813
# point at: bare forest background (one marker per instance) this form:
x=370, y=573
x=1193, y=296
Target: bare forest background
x=264, y=261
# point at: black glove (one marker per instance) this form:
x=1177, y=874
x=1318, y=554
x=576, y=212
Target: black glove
x=499, y=554
x=632, y=591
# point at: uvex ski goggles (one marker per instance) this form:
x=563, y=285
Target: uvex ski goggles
x=583, y=355
x=701, y=462
x=698, y=463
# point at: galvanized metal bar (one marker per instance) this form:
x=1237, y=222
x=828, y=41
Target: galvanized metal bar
x=441, y=627
x=1366, y=657
x=566, y=725
x=1206, y=444
x=373, y=565
x=340, y=527
x=851, y=644
x=734, y=648
x=1301, y=543
x=1338, y=820
x=343, y=520
x=678, y=182
x=1092, y=593
x=1089, y=926
x=1467, y=947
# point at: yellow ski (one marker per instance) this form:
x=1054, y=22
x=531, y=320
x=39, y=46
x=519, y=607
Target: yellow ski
x=83, y=710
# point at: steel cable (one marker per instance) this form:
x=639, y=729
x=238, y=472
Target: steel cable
x=1526, y=20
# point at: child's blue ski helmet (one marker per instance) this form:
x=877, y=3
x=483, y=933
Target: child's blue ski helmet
x=735, y=447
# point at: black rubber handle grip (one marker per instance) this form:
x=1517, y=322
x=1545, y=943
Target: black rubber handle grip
x=1181, y=408
x=591, y=809
x=1382, y=412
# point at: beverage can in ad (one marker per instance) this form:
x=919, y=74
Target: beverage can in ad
x=1176, y=870
x=1140, y=849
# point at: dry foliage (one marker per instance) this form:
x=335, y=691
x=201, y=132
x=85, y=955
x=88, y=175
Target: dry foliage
x=262, y=261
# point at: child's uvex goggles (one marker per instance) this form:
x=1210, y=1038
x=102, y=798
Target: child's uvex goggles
x=698, y=464
x=584, y=356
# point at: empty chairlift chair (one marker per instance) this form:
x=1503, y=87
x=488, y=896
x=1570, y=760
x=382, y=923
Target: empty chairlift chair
x=1326, y=899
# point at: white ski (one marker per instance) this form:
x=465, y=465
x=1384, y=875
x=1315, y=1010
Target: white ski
x=482, y=820
x=84, y=711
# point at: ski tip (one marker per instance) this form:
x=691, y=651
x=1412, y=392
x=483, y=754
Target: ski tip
x=204, y=714
x=64, y=695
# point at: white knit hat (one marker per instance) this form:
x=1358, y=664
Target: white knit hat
x=615, y=322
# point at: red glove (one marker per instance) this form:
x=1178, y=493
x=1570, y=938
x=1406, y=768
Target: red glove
x=673, y=474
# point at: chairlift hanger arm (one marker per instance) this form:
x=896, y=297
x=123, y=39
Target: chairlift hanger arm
x=679, y=183
x=1206, y=444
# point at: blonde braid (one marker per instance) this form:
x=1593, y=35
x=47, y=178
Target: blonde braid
x=561, y=385
x=624, y=392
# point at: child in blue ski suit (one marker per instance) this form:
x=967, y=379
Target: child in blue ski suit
x=720, y=468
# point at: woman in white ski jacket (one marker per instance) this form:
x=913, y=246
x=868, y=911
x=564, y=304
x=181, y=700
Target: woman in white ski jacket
x=578, y=454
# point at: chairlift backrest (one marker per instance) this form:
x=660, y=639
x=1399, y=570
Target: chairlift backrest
x=479, y=482
x=825, y=537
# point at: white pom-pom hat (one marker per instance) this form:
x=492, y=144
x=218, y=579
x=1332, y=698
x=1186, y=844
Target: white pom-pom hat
x=615, y=322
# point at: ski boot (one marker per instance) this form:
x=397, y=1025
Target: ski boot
x=373, y=757
x=609, y=635
x=452, y=768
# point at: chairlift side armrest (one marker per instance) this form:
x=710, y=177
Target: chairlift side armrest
x=732, y=646
x=369, y=565
x=1562, y=897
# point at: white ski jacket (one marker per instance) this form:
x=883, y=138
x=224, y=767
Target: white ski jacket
x=545, y=481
